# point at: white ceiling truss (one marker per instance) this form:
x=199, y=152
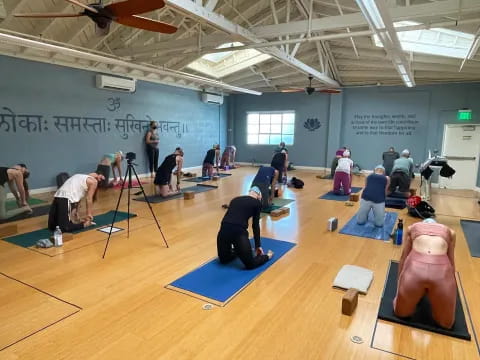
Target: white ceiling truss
x=328, y=39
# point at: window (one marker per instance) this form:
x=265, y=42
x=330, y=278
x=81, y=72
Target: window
x=434, y=41
x=270, y=128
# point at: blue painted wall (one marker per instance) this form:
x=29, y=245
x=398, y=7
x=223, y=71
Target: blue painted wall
x=33, y=88
x=309, y=148
x=367, y=119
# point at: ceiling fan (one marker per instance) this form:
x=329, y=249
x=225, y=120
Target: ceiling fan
x=124, y=12
x=310, y=90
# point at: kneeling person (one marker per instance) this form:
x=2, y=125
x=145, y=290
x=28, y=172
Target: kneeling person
x=232, y=239
x=265, y=180
x=373, y=197
x=163, y=177
x=402, y=173
x=64, y=208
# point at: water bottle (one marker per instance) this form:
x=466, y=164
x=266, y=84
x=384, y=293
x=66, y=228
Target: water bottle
x=57, y=237
x=399, y=235
x=284, y=180
x=227, y=167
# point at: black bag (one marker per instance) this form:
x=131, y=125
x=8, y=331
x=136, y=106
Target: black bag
x=423, y=210
x=61, y=178
x=297, y=183
x=447, y=171
x=427, y=172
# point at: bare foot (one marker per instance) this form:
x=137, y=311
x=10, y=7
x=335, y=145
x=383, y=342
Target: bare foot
x=270, y=254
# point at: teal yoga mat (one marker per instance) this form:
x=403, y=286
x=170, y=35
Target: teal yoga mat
x=30, y=239
x=12, y=204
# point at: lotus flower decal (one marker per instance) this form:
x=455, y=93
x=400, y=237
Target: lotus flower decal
x=312, y=124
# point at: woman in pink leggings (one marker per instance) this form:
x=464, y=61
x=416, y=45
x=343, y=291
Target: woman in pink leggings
x=427, y=266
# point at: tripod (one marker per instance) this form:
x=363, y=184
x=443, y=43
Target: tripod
x=128, y=173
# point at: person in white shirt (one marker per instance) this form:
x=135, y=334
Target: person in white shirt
x=342, y=174
x=64, y=207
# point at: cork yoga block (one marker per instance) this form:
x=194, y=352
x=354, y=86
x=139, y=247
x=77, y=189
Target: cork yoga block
x=188, y=195
x=349, y=301
x=215, y=178
x=413, y=192
x=8, y=230
x=354, y=197
x=280, y=212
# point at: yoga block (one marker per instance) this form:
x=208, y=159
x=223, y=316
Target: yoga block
x=188, y=195
x=413, y=192
x=215, y=178
x=354, y=197
x=276, y=213
x=332, y=224
x=67, y=237
x=8, y=230
x=349, y=301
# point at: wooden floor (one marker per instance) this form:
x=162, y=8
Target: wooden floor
x=118, y=308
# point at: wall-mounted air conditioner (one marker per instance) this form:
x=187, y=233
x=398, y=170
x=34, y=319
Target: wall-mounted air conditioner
x=115, y=83
x=212, y=98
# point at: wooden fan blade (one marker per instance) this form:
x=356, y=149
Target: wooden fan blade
x=146, y=24
x=86, y=7
x=133, y=7
x=292, y=90
x=47, y=15
x=330, y=91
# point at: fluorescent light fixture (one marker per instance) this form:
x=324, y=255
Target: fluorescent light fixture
x=474, y=48
x=402, y=69
x=370, y=7
x=41, y=45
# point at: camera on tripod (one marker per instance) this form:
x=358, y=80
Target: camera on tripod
x=130, y=157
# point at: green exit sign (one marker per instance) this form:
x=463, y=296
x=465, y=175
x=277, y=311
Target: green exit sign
x=464, y=115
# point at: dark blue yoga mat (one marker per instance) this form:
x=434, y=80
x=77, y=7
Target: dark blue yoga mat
x=395, y=203
x=369, y=230
x=155, y=199
x=30, y=239
x=221, y=282
x=205, y=178
x=332, y=196
x=422, y=318
x=471, y=230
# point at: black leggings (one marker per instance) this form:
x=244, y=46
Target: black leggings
x=152, y=153
x=58, y=216
x=232, y=235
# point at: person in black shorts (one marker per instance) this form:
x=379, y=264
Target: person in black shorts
x=266, y=180
x=232, y=239
x=16, y=179
x=163, y=177
x=280, y=163
x=212, y=158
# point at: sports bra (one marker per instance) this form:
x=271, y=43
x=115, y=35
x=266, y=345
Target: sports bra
x=434, y=229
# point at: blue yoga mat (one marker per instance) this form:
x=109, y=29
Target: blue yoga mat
x=369, y=230
x=332, y=196
x=205, y=178
x=395, y=203
x=471, y=230
x=221, y=282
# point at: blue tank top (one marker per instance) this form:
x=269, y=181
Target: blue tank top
x=264, y=175
x=375, y=189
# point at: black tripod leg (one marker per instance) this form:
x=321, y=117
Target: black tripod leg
x=115, y=214
x=150, y=207
x=128, y=201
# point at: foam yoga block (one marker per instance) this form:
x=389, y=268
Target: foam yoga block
x=349, y=301
x=187, y=195
x=8, y=230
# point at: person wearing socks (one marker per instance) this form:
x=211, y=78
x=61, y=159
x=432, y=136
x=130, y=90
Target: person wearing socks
x=113, y=160
x=265, y=180
x=232, y=239
x=163, y=178
x=342, y=174
x=402, y=173
x=388, y=158
x=427, y=267
x=16, y=177
x=151, y=142
x=212, y=158
x=373, y=197
x=64, y=208
x=338, y=155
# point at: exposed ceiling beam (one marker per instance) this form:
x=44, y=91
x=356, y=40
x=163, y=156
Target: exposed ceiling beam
x=14, y=10
x=210, y=5
x=439, y=8
x=223, y=24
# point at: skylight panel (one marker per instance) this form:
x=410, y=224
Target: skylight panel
x=435, y=41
